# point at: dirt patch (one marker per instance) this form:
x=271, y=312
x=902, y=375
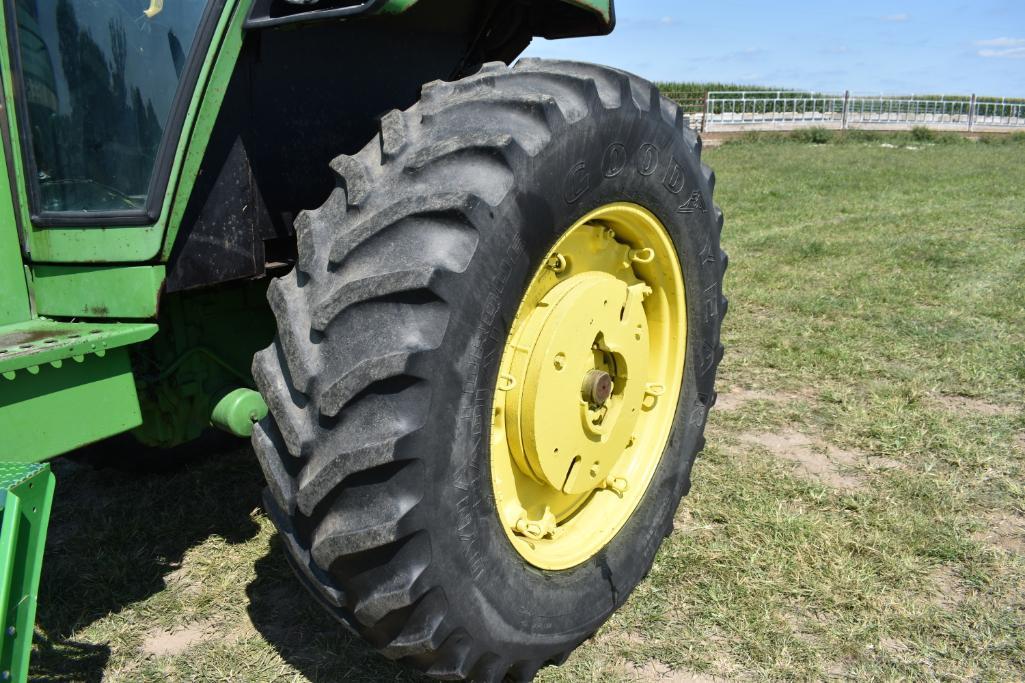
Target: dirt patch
x=966, y=404
x=805, y=624
x=814, y=459
x=182, y=579
x=949, y=591
x=164, y=643
x=685, y=524
x=836, y=670
x=1005, y=531
x=893, y=645
x=657, y=671
x=737, y=397
x=633, y=638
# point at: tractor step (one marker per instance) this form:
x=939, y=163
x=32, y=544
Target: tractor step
x=26, y=493
x=30, y=344
x=65, y=385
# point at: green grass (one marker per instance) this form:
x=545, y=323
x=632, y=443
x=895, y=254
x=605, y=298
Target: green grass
x=877, y=308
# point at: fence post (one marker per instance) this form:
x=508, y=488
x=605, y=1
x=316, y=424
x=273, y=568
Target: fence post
x=971, y=113
x=846, y=105
x=708, y=106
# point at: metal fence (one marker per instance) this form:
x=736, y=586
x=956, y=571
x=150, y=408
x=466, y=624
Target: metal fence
x=771, y=110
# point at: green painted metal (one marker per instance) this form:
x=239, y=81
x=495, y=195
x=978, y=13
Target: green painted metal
x=602, y=7
x=396, y=6
x=26, y=494
x=14, y=300
x=139, y=243
x=97, y=291
x=15, y=193
x=238, y=410
x=63, y=405
x=26, y=347
x=217, y=74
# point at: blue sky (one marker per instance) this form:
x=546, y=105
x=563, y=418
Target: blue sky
x=867, y=46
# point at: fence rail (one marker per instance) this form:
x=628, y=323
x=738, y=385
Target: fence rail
x=772, y=110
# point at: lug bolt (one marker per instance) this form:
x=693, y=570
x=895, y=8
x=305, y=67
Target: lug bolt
x=557, y=263
x=536, y=529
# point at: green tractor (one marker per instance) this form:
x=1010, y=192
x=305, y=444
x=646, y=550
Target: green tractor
x=468, y=314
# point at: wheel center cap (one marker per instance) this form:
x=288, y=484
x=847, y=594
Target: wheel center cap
x=569, y=433
x=588, y=386
x=597, y=387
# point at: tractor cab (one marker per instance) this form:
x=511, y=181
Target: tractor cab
x=97, y=86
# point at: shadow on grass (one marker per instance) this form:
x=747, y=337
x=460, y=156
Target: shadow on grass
x=305, y=635
x=113, y=538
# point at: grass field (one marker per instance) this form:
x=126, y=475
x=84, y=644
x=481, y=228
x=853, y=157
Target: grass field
x=859, y=512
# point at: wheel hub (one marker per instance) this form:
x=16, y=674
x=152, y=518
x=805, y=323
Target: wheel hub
x=580, y=418
x=592, y=326
x=597, y=387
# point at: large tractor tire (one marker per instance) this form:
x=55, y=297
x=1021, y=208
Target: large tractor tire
x=495, y=360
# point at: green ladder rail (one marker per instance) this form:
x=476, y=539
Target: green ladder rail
x=26, y=494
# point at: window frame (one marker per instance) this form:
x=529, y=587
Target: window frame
x=166, y=151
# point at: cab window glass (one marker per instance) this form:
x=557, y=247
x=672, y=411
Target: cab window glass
x=99, y=78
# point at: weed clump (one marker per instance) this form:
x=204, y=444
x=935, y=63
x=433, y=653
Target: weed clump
x=923, y=134
x=814, y=135
x=859, y=135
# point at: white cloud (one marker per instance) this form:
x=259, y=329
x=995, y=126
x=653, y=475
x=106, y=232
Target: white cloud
x=667, y=21
x=1008, y=53
x=896, y=18
x=1000, y=42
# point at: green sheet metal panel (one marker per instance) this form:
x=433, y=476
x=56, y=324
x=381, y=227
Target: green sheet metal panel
x=62, y=406
x=14, y=301
x=26, y=494
x=202, y=118
x=602, y=7
x=13, y=195
x=97, y=291
x=396, y=6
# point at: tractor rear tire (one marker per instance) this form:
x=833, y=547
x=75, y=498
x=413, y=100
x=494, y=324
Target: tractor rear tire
x=391, y=329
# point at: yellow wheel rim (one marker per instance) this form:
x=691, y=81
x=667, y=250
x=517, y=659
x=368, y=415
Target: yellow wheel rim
x=588, y=386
